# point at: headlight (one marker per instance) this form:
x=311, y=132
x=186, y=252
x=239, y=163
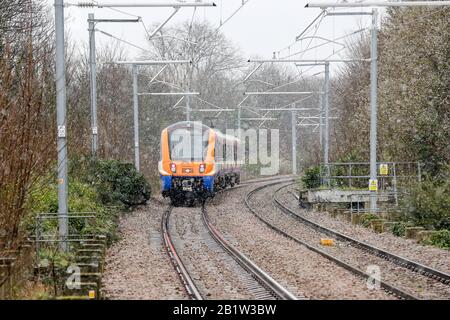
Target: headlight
x=201, y=168
x=173, y=167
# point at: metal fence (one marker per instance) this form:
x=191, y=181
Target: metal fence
x=386, y=200
x=355, y=175
x=46, y=232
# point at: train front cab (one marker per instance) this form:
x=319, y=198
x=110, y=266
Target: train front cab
x=212, y=167
x=192, y=177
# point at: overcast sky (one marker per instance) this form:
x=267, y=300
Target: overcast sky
x=260, y=28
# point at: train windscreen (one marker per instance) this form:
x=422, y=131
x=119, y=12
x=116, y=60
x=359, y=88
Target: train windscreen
x=188, y=143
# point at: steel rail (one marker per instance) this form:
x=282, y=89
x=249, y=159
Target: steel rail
x=264, y=279
x=387, y=287
x=184, y=275
x=391, y=257
x=268, y=283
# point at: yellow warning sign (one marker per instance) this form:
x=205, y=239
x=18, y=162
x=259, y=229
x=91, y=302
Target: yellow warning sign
x=384, y=170
x=373, y=185
x=91, y=294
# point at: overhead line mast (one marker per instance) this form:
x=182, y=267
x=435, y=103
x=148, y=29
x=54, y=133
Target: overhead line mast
x=61, y=99
x=373, y=182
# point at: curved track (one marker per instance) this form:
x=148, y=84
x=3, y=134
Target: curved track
x=266, y=287
x=387, y=287
x=398, y=260
x=185, y=277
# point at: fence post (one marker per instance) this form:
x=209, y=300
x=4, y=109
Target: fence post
x=38, y=237
x=394, y=183
x=350, y=174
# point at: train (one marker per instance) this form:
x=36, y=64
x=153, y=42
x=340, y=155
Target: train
x=196, y=161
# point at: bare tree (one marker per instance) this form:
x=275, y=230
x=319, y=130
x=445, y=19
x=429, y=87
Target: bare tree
x=26, y=108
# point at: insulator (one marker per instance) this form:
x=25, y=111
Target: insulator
x=86, y=4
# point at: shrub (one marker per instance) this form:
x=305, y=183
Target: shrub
x=428, y=205
x=399, y=229
x=117, y=181
x=367, y=218
x=82, y=198
x=311, y=178
x=440, y=239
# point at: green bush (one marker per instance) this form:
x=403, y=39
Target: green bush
x=116, y=181
x=399, y=229
x=428, y=205
x=83, y=198
x=441, y=239
x=99, y=187
x=311, y=178
x=367, y=218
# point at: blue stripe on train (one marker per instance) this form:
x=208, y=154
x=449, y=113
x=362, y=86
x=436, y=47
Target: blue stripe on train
x=166, y=182
x=208, y=183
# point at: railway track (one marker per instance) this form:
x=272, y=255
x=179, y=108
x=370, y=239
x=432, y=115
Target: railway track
x=185, y=277
x=259, y=283
x=383, y=284
x=365, y=251
x=265, y=287
x=398, y=260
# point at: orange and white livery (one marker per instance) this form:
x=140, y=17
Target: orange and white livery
x=196, y=161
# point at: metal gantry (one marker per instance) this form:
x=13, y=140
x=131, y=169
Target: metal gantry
x=373, y=102
x=61, y=99
x=324, y=5
x=278, y=93
x=136, y=94
x=373, y=72
x=294, y=140
x=93, y=74
x=326, y=91
x=294, y=117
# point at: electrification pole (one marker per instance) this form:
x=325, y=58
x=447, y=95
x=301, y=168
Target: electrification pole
x=61, y=107
x=239, y=120
x=187, y=97
x=321, y=122
x=93, y=67
x=326, y=91
x=136, y=116
x=373, y=184
x=61, y=123
x=294, y=140
x=93, y=76
x=136, y=94
x=326, y=149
